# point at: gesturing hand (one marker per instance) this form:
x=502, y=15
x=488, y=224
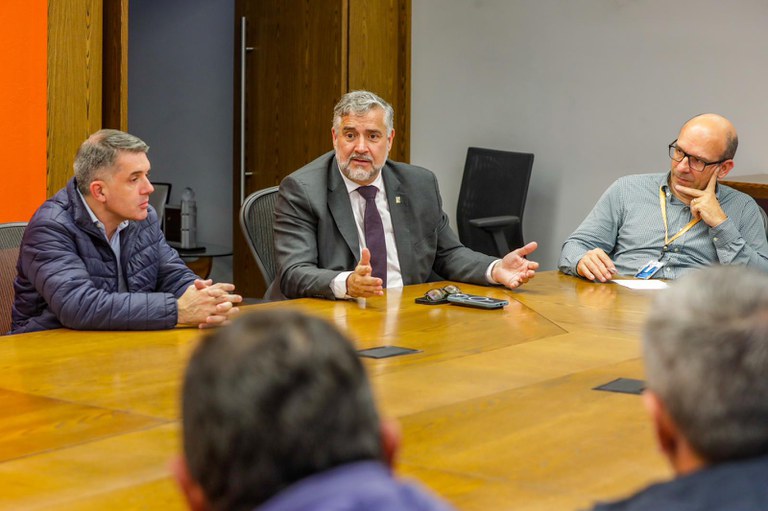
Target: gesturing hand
x=360, y=283
x=704, y=204
x=514, y=269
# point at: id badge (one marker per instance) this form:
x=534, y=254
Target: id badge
x=650, y=269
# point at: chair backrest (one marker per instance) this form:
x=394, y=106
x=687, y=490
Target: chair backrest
x=10, y=241
x=158, y=199
x=495, y=183
x=257, y=218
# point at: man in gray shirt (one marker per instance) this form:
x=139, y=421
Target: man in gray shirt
x=675, y=221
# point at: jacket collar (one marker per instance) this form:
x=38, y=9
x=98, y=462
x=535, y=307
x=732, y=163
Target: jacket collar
x=341, y=209
x=82, y=215
x=79, y=211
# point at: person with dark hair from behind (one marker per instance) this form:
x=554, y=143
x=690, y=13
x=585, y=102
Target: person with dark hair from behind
x=278, y=414
x=706, y=361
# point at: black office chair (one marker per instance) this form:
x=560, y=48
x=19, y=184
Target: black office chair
x=158, y=199
x=10, y=241
x=492, y=200
x=257, y=218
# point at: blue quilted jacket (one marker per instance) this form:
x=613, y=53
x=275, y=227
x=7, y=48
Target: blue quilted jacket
x=67, y=273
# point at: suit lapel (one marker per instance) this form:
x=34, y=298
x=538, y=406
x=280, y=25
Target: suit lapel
x=402, y=215
x=341, y=210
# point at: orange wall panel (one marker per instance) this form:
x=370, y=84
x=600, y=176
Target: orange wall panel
x=23, y=104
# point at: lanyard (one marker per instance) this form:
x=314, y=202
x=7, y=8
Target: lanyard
x=667, y=240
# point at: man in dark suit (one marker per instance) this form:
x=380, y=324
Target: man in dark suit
x=706, y=359
x=353, y=222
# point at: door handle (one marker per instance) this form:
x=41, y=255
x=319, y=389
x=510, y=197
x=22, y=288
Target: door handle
x=244, y=49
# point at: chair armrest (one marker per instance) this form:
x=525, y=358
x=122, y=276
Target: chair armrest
x=493, y=223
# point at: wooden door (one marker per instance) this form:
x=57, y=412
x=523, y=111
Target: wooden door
x=380, y=60
x=302, y=56
x=87, y=78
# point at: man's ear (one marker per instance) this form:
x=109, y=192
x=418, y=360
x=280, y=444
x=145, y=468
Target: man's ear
x=724, y=169
x=192, y=491
x=390, y=139
x=665, y=429
x=679, y=452
x=97, y=189
x=391, y=435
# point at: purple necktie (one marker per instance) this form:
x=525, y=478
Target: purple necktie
x=374, y=233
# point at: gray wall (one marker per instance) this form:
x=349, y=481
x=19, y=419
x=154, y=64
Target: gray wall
x=595, y=88
x=180, y=62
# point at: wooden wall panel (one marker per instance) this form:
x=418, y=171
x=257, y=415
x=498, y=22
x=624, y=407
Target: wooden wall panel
x=23, y=53
x=74, y=82
x=380, y=59
x=293, y=81
x=403, y=92
x=115, y=82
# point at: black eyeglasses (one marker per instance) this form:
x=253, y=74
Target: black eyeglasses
x=440, y=294
x=694, y=162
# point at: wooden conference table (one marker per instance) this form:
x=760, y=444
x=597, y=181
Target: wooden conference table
x=497, y=410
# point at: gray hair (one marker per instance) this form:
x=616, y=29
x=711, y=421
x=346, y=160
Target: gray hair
x=731, y=144
x=100, y=151
x=360, y=102
x=706, y=357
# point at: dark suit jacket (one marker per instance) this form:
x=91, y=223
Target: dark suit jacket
x=316, y=237
x=740, y=485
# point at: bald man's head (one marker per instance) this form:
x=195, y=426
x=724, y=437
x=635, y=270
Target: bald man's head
x=718, y=130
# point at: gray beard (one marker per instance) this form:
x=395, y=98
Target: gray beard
x=358, y=174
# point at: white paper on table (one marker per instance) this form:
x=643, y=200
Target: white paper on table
x=642, y=284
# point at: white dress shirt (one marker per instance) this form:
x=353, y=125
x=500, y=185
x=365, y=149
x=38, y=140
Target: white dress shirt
x=394, y=276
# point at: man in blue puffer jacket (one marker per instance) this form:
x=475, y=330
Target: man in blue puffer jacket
x=93, y=256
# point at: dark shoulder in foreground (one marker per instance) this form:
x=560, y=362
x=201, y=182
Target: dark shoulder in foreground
x=735, y=486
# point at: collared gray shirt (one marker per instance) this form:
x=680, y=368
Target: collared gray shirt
x=627, y=224
x=114, y=243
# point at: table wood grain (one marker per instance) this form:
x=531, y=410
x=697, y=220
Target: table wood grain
x=497, y=409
